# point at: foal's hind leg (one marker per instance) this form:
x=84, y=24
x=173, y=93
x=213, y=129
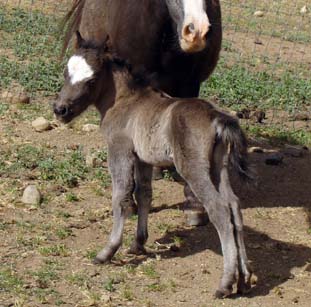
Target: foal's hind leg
x=143, y=196
x=219, y=214
x=244, y=279
x=121, y=165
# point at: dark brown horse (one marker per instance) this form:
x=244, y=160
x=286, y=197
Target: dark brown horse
x=144, y=127
x=178, y=41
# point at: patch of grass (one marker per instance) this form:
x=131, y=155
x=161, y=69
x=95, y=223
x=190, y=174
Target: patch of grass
x=238, y=87
x=156, y=287
x=109, y=285
x=128, y=294
x=91, y=254
x=78, y=279
x=63, y=233
x=32, y=38
x=46, y=274
x=149, y=271
x=281, y=136
x=66, y=171
x=56, y=250
x=71, y=197
x=10, y=281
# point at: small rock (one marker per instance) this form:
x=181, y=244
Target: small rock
x=257, y=41
x=15, y=98
x=274, y=159
x=90, y=128
x=90, y=161
x=255, y=149
x=259, y=14
x=234, y=113
x=258, y=116
x=41, y=124
x=304, y=10
x=31, y=195
x=244, y=113
x=21, y=99
x=302, y=116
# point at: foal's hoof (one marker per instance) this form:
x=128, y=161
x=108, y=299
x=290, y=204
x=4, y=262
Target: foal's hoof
x=157, y=173
x=244, y=285
x=222, y=293
x=196, y=217
x=101, y=260
x=137, y=250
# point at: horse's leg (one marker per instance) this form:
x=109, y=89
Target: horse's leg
x=244, y=279
x=143, y=196
x=121, y=165
x=220, y=215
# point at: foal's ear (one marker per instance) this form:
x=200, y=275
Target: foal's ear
x=80, y=40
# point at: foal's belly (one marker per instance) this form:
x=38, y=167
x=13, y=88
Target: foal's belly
x=152, y=147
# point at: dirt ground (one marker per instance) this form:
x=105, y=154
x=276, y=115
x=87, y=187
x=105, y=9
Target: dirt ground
x=46, y=251
x=277, y=232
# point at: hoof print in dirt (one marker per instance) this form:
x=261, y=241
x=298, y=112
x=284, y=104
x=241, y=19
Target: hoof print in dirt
x=274, y=159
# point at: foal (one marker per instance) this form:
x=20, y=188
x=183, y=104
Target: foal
x=144, y=128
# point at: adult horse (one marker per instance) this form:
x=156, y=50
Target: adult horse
x=176, y=42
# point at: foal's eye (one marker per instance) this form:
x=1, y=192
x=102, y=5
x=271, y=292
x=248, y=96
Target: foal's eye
x=91, y=82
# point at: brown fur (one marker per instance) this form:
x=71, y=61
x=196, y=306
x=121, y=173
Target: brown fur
x=145, y=128
x=143, y=33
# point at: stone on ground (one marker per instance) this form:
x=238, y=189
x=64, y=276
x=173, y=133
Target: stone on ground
x=90, y=128
x=41, y=124
x=31, y=195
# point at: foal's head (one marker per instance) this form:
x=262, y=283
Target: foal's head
x=85, y=80
x=192, y=23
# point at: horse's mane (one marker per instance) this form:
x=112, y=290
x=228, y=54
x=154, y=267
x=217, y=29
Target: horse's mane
x=70, y=23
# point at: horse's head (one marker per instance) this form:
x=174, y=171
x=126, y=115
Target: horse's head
x=82, y=86
x=192, y=23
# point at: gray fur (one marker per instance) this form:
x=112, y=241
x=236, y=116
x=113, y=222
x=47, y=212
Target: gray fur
x=145, y=128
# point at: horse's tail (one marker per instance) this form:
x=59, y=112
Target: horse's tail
x=230, y=134
x=70, y=23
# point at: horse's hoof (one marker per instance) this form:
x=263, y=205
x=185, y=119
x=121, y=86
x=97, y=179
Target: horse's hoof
x=222, y=293
x=196, y=217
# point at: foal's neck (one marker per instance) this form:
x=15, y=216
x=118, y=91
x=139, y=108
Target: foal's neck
x=125, y=85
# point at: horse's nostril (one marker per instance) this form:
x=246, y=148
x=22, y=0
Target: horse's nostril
x=61, y=111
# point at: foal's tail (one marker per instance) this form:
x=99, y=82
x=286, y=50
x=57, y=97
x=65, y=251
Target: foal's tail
x=229, y=132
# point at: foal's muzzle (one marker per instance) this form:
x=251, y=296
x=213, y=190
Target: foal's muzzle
x=61, y=111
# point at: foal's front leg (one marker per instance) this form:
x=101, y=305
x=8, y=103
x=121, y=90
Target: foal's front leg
x=143, y=196
x=121, y=165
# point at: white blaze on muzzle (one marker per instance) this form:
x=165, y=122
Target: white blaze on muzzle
x=195, y=13
x=78, y=69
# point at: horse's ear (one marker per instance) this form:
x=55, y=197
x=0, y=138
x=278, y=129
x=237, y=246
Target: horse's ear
x=80, y=39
